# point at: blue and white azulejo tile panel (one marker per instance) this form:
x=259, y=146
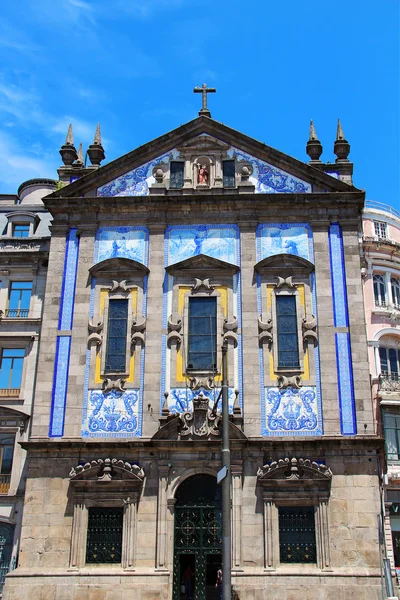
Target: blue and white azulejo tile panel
x=217, y=241
x=121, y=242
x=60, y=386
x=285, y=238
x=63, y=344
x=292, y=411
x=338, y=275
x=112, y=414
x=137, y=181
x=268, y=179
x=181, y=399
x=345, y=384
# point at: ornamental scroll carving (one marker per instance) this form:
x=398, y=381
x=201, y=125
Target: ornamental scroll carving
x=110, y=384
x=285, y=281
x=230, y=330
x=137, y=329
x=174, y=330
x=265, y=331
x=309, y=327
x=294, y=469
x=201, y=421
x=95, y=329
x=108, y=469
x=202, y=284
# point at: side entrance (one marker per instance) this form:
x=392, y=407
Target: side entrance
x=197, y=539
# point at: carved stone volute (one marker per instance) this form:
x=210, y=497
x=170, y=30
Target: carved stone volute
x=309, y=327
x=230, y=331
x=95, y=327
x=174, y=330
x=265, y=331
x=137, y=329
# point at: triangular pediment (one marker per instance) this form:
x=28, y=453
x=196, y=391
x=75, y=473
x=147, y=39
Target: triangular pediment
x=284, y=262
x=118, y=267
x=130, y=174
x=202, y=265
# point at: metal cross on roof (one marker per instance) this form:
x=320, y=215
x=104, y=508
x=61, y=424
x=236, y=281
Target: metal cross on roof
x=204, y=90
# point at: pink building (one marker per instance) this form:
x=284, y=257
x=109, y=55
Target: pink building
x=381, y=274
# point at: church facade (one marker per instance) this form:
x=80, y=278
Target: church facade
x=201, y=239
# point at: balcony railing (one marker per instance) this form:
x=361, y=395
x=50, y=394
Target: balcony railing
x=380, y=303
x=9, y=392
x=4, y=483
x=373, y=205
x=17, y=313
x=389, y=382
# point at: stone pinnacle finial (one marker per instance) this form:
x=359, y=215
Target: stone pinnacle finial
x=97, y=136
x=80, y=160
x=96, y=150
x=70, y=136
x=68, y=150
x=313, y=134
x=339, y=131
x=341, y=146
x=314, y=146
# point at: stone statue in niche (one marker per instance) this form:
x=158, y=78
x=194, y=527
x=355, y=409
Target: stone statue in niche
x=202, y=177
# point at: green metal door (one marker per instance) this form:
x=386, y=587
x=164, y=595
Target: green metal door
x=6, y=545
x=197, y=534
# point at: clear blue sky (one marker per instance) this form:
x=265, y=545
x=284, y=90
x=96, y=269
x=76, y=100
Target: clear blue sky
x=132, y=65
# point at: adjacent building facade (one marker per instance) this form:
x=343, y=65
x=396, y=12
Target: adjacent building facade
x=381, y=274
x=24, y=248
x=200, y=239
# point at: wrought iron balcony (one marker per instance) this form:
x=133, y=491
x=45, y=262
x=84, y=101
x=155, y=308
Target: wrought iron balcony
x=4, y=483
x=9, y=392
x=389, y=382
x=17, y=313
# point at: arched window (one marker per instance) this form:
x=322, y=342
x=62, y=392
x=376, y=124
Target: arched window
x=395, y=283
x=379, y=290
x=389, y=358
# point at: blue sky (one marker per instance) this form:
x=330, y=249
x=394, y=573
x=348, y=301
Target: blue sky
x=132, y=65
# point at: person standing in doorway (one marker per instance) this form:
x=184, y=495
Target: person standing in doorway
x=218, y=583
x=187, y=582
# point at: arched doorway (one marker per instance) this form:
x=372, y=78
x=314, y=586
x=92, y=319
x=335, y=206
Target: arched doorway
x=197, y=538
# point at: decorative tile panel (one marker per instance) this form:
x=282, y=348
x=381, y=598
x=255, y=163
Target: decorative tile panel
x=219, y=242
x=292, y=411
x=338, y=275
x=137, y=181
x=268, y=179
x=116, y=414
x=63, y=344
x=60, y=386
x=341, y=319
x=345, y=384
x=181, y=399
x=69, y=281
x=121, y=242
x=285, y=238
x=112, y=414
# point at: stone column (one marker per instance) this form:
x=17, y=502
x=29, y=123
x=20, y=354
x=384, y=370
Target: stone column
x=251, y=360
x=152, y=369
x=163, y=471
x=79, y=533
x=129, y=531
x=268, y=531
x=237, y=500
x=322, y=534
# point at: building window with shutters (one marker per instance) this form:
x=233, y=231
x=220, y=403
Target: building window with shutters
x=6, y=459
x=395, y=286
x=379, y=290
x=202, y=334
x=391, y=423
x=380, y=228
x=176, y=175
x=287, y=330
x=117, y=328
x=11, y=367
x=20, y=299
x=228, y=172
